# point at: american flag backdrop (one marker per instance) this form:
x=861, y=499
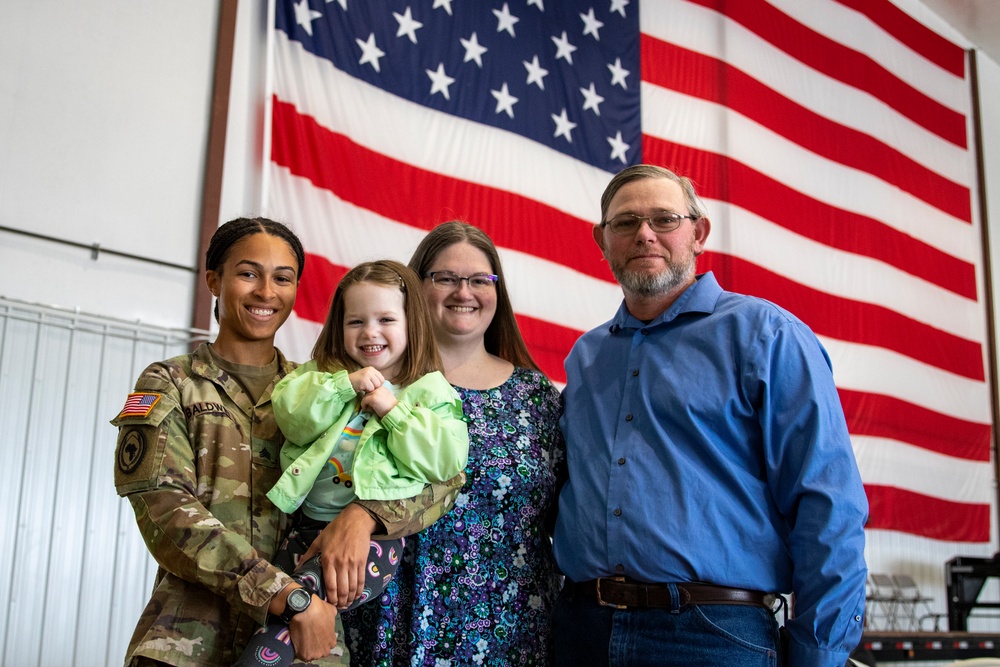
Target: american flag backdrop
x=829, y=139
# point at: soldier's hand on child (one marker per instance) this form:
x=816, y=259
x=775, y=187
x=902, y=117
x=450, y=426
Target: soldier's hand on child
x=343, y=546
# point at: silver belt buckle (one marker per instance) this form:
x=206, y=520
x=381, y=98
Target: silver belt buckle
x=600, y=601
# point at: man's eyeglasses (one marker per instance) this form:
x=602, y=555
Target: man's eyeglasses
x=628, y=223
x=447, y=280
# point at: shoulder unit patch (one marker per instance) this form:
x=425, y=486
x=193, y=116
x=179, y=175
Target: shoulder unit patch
x=131, y=451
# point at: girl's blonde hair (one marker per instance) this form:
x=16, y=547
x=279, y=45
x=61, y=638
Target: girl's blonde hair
x=421, y=354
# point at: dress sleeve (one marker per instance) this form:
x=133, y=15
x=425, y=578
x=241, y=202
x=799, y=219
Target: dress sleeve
x=160, y=481
x=308, y=401
x=814, y=479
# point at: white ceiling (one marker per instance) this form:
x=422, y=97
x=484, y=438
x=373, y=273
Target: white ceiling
x=978, y=20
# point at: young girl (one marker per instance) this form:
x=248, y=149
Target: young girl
x=371, y=417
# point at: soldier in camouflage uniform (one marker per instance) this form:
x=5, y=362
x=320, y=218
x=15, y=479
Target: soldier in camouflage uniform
x=197, y=451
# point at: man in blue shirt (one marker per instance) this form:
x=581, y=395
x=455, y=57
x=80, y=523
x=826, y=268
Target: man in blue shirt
x=709, y=464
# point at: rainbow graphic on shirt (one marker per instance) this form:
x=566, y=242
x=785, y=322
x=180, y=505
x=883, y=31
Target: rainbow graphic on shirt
x=340, y=476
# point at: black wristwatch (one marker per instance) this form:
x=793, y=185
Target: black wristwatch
x=296, y=602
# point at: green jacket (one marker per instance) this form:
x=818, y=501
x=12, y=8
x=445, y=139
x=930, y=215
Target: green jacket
x=423, y=439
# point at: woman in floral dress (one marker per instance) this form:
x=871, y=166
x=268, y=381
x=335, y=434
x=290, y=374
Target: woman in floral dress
x=477, y=587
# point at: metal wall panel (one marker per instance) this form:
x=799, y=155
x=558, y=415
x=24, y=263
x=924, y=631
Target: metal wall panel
x=78, y=573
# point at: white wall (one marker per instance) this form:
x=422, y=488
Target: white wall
x=245, y=148
x=103, y=125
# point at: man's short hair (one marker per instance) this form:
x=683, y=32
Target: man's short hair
x=640, y=171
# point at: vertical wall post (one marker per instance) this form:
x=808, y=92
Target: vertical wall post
x=211, y=198
x=991, y=335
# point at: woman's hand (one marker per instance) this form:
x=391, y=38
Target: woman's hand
x=365, y=380
x=343, y=547
x=379, y=401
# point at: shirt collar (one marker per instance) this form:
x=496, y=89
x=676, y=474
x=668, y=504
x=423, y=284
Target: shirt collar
x=700, y=297
x=204, y=365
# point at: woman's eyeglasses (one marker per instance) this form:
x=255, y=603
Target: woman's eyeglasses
x=448, y=280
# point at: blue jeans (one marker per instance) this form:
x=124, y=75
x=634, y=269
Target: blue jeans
x=585, y=633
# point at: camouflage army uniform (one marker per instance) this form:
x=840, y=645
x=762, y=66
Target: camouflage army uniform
x=195, y=459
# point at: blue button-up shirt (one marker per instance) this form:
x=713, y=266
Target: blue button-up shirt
x=709, y=445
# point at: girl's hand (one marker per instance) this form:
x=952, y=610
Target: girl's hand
x=344, y=546
x=365, y=380
x=379, y=401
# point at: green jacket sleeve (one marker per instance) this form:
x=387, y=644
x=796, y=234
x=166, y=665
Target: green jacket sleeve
x=311, y=408
x=439, y=415
x=423, y=439
x=308, y=401
x=426, y=432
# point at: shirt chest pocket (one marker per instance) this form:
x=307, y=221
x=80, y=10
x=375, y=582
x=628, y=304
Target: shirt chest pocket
x=221, y=442
x=265, y=454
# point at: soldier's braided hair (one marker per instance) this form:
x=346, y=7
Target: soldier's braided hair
x=227, y=235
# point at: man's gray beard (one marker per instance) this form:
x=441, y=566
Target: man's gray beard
x=644, y=284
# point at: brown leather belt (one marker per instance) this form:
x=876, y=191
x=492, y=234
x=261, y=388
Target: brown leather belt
x=624, y=594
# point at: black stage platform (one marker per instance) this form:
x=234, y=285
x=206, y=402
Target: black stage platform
x=889, y=647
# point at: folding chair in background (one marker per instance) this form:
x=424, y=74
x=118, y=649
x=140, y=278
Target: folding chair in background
x=882, y=603
x=909, y=600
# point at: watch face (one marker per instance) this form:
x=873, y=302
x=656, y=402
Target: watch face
x=298, y=599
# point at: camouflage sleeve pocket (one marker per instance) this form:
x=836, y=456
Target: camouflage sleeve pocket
x=141, y=442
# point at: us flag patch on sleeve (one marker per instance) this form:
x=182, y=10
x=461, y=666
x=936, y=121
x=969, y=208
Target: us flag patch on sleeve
x=139, y=405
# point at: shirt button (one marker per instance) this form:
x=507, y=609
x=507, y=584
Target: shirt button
x=618, y=511
x=621, y=461
x=635, y=372
x=645, y=332
x=857, y=618
x=619, y=568
x=296, y=471
x=628, y=417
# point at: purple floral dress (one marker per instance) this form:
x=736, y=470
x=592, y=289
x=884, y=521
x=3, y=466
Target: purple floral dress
x=477, y=587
